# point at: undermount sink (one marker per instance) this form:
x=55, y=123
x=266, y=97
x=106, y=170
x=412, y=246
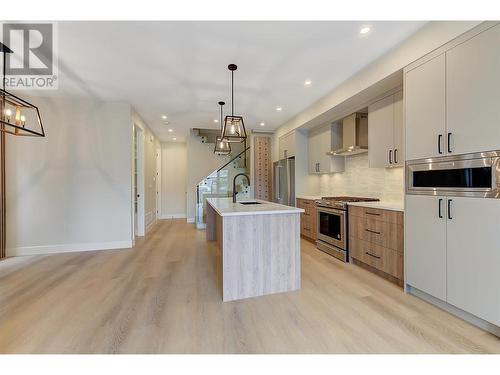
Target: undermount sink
x=249, y=202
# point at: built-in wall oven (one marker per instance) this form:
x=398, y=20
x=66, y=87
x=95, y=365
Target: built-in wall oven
x=470, y=175
x=332, y=231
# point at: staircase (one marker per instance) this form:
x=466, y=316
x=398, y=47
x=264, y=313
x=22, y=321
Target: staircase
x=219, y=184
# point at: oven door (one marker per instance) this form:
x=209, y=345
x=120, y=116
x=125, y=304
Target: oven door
x=331, y=227
x=472, y=175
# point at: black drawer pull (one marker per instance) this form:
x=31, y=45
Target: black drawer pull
x=372, y=213
x=372, y=231
x=372, y=255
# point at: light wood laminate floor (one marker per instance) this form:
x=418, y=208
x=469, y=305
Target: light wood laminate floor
x=163, y=296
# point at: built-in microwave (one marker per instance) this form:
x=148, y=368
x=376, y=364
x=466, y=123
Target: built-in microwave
x=470, y=175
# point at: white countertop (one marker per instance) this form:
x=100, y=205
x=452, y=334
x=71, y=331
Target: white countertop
x=394, y=206
x=310, y=197
x=226, y=207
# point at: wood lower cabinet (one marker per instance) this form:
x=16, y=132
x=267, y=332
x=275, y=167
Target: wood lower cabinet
x=308, y=219
x=376, y=240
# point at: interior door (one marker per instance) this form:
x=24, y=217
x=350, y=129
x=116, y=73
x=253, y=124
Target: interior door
x=381, y=133
x=474, y=257
x=425, y=237
x=425, y=109
x=473, y=93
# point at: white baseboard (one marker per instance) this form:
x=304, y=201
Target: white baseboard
x=68, y=248
x=172, y=216
x=464, y=315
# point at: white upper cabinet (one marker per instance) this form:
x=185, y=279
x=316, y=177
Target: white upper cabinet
x=473, y=94
x=399, y=139
x=286, y=145
x=425, y=249
x=321, y=141
x=425, y=109
x=473, y=257
x=385, y=132
x=381, y=133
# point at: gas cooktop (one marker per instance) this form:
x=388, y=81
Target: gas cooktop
x=341, y=202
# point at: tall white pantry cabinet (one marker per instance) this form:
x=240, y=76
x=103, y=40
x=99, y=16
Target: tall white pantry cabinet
x=452, y=107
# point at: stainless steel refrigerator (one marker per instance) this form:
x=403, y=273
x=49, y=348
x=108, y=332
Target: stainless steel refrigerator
x=284, y=182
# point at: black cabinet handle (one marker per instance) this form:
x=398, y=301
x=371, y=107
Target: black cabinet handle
x=319, y=168
x=390, y=156
x=449, y=140
x=440, y=136
x=371, y=213
x=372, y=255
x=395, y=156
x=449, y=209
x=372, y=231
x=440, y=212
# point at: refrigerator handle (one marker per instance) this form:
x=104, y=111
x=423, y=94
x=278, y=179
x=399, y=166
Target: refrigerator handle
x=288, y=181
x=278, y=180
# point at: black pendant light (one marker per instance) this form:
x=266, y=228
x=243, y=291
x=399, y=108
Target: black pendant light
x=234, y=128
x=222, y=146
x=17, y=116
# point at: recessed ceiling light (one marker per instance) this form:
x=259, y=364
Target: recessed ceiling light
x=279, y=109
x=262, y=124
x=365, y=30
x=307, y=82
x=170, y=130
x=174, y=139
x=164, y=117
x=216, y=121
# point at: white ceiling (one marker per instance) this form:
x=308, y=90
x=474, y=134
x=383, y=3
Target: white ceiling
x=180, y=68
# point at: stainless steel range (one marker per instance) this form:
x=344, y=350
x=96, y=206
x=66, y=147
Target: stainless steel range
x=333, y=224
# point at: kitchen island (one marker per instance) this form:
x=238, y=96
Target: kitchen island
x=260, y=246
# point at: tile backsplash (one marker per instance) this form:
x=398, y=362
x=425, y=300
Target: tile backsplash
x=360, y=180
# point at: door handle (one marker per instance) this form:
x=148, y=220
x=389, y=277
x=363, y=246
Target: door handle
x=449, y=141
x=449, y=209
x=390, y=156
x=372, y=255
x=395, y=156
x=440, y=213
x=440, y=137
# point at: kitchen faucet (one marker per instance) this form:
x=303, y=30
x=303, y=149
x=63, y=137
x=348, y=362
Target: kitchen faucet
x=234, y=184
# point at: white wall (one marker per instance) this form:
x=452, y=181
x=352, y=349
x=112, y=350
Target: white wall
x=151, y=147
x=72, y=189
x=173, y=176
x=360, y=180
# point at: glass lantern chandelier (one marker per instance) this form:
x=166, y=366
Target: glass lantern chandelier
x=222, y=146
x=17, y=116
x=234, y=127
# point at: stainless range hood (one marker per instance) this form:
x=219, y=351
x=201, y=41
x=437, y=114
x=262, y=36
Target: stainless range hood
x=354, y=135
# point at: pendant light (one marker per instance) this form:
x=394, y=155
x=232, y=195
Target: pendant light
x=17, y=116
x=234, y=128
x=222, y=146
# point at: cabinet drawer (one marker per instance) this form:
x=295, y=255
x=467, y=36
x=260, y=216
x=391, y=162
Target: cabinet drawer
x=378, y=232
x=307, y=205
x=389, y=216
x=376, y=256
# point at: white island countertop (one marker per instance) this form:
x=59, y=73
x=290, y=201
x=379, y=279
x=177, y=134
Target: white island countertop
x=226, y=207
x=394, y=206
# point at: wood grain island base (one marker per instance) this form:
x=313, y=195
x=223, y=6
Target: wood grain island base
x=259, y=244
